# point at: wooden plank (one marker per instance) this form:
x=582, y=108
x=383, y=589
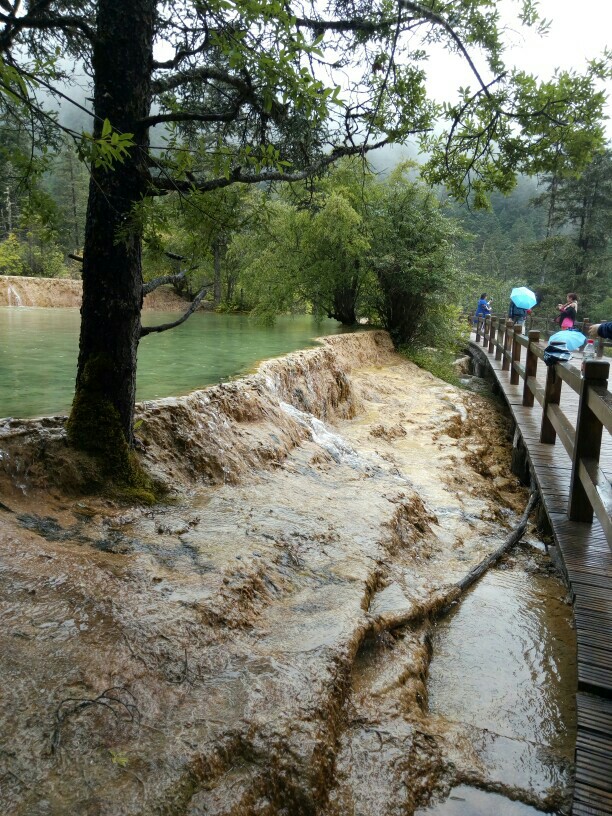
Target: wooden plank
x=593, y=656
x=596, y=681
x=588, y=802
x=595, y=768
x=594, y=743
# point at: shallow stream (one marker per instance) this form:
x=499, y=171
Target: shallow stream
x=502, y=682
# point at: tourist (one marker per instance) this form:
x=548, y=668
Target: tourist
x=517, y=314
x=568, y=311
x=483, y=309
x=601, y=330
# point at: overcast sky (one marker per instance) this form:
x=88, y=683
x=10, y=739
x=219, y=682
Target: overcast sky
x=579, y=31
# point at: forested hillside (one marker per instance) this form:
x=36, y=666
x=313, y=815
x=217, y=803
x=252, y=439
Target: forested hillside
x=268, y=251
x=551, y=234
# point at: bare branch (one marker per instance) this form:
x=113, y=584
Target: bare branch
x=165, y=326
x=201, y=74
x=149, y=287
x=16, y=24
x=173, y=256
x=164, y=279
x=122, y=710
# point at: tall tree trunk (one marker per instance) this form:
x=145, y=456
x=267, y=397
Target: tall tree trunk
x=217, y=281
x=343, y=307
x=112, y=274
x=75, y=221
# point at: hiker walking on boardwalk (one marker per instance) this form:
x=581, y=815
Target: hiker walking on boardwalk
x=522, y=300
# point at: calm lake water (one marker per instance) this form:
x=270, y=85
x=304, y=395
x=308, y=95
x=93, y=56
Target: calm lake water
x=39, y=349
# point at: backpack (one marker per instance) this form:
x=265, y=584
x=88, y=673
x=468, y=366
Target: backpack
x=556, y=353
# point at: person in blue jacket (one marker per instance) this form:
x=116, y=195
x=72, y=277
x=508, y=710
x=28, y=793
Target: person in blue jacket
x=601, y=330
x=483, y=309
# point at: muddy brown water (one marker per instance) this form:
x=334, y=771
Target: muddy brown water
x=271, y=642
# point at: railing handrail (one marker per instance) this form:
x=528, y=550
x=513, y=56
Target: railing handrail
x=549, y=327
x=590, y=490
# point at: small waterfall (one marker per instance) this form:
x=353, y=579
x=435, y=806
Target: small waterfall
x=335, y=445
x=13, y=295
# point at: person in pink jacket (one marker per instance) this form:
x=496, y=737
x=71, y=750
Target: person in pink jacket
x=568, y=311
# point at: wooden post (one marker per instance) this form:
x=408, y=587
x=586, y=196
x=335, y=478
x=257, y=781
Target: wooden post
x=507, y=340
x=485, y=329
x=516, y=355
x=478, y=319
x=492, y=335
x=587, y=443
x=531, y=369
x=500, y=337
x=552, y=396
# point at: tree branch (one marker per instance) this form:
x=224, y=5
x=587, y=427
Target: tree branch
x=16, y=24
x=165, y=326
x=440, y=21
x=161, y=186
x=356, y=24
x=227, y=116
x=163, y=279
x=201, y=74
x=149, y=287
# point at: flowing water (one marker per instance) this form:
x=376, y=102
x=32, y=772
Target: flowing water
x=501, y=687
x=277, y=640
x=39, y=349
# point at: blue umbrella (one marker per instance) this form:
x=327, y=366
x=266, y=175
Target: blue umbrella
x=572, y=339
x=523, y=297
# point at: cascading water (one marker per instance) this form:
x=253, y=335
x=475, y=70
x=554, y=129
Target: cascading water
x=14, y=298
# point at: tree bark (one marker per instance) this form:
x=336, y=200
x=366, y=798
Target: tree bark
x=217, y=281
x=112, y=271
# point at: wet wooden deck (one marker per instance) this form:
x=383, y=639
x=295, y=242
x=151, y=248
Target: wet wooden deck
x=586, y=554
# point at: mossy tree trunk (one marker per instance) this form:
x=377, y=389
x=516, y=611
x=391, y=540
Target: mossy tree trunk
x=102, y=414
x=344, y=303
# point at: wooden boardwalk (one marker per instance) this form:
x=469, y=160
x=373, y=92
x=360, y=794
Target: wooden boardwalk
x=586, y=554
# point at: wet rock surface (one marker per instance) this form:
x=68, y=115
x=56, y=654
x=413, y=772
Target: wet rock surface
x=262, y=644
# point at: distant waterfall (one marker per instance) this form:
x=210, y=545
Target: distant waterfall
x=14, y=298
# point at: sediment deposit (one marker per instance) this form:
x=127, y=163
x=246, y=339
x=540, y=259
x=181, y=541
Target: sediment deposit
x=18, y=292
x=260, y=644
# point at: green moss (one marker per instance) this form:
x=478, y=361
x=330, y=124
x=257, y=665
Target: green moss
x=438, y=362
x=94, y=427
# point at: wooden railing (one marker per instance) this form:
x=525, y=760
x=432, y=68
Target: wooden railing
x=547, y=326
x=590, y=489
